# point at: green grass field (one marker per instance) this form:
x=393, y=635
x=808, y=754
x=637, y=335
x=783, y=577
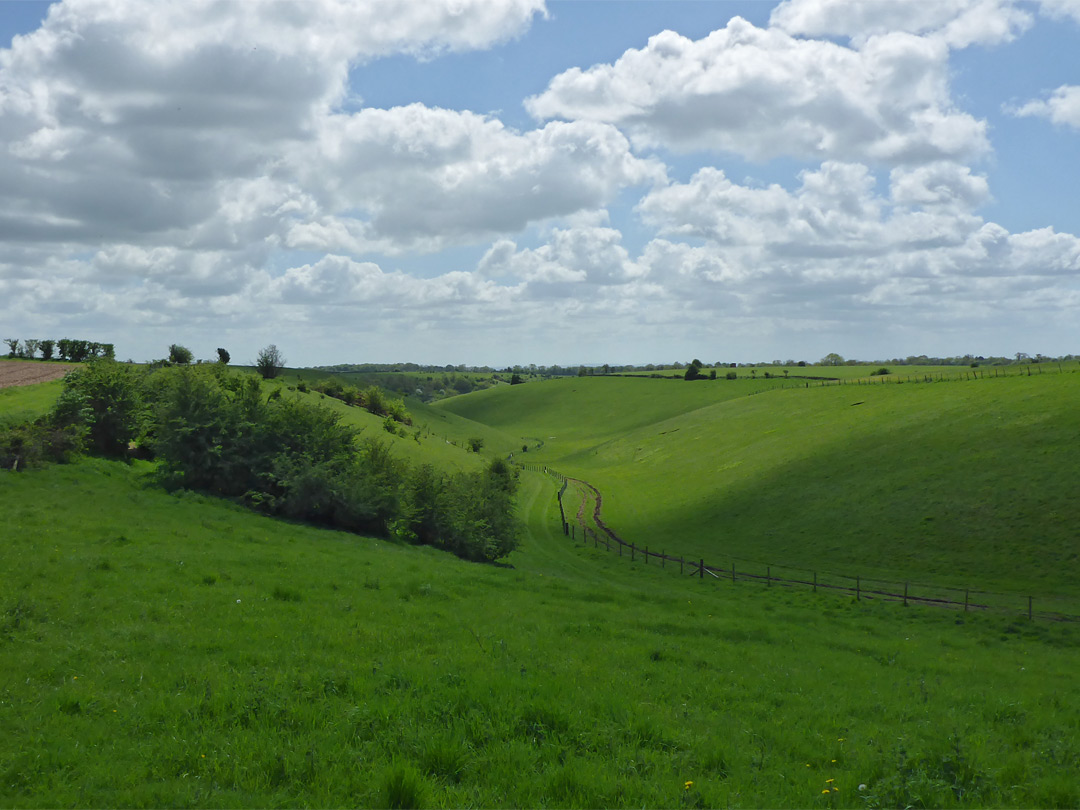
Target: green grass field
x=21, y=403
x=967, y=484
x=176, y=649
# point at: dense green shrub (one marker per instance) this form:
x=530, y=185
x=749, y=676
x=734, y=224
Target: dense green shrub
x=103, y=397
x=33, y=443
x=218, y=432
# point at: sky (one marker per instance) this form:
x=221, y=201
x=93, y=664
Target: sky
x=495, y=182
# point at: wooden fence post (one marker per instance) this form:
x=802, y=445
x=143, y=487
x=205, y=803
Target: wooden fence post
x=620, y=549
x=663, y=559
x=858, y=589
x=701, y=570
x=646, y=555
x=815, y=582
x=965, y=600
x=732, y=572
x=905, y=594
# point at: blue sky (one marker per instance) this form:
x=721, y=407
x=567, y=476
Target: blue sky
x=508, y=181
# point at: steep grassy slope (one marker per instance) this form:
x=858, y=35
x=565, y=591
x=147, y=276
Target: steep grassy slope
x=578, y=413
x=964, y=483
x=175, y=650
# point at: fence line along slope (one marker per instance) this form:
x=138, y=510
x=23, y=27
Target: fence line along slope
x=967, y=480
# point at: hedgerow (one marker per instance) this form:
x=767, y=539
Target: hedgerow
x=213, y=431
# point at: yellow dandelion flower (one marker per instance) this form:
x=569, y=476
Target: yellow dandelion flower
x=834, y=760
x=826, y=790
x=688, y=785
x=827, y=781
x=839, y=739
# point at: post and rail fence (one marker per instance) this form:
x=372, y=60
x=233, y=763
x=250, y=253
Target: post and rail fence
x=1052, y=608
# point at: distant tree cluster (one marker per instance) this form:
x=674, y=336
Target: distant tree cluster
x=219, y=432
x=70, y=351
x=372, y=399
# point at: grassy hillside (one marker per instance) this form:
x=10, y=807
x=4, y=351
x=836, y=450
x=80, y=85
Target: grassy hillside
x=21, y=403
x=176, y=650
x=574, y=414
x=965, y=483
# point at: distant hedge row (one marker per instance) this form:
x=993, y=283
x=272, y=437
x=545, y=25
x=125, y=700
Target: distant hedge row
x=372, y=399
x=71, y=351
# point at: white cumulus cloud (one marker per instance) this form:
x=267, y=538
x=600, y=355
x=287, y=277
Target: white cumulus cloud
x=957, y=22
x=762, y=93
x=1061, y=107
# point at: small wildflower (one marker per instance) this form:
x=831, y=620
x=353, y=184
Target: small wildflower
x=862, y=787
x=827, y=781
x=839, y=739
x=688, y=784
x=826, y=790
x=834, y=760
x=74, y=677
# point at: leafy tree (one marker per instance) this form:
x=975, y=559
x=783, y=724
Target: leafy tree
x=31, y=346
x=693, y=371
x=270, y=362
x=103, y=397
x=476, y=444
x=180, y=355
x=77, y=350
x=375, y=401
x=478, y=515
x=223, y=357
x=516, y=380
x=46, y=347
x=832, y=359
x=13, y=346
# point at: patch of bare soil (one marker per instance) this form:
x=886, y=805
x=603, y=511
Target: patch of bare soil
x=16, y=373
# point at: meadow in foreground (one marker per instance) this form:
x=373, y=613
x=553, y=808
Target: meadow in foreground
x=177, y=650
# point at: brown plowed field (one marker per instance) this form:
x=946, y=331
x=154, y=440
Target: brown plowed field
x=16, y=373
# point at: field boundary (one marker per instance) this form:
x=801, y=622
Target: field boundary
x=787, y=576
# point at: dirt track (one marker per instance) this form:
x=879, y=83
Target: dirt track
x=21, y=373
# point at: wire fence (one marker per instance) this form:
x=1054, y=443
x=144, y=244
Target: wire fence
x=735, y=569
x=961, y=374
